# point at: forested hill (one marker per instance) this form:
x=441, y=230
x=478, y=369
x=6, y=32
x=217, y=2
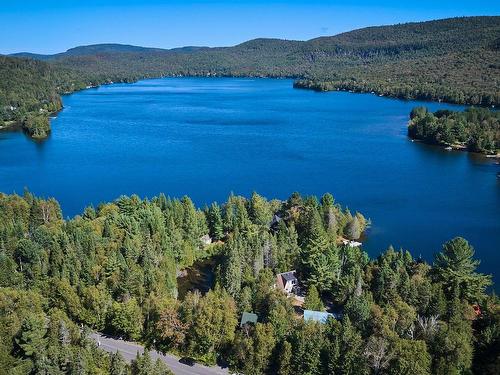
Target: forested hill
x=113, y=269
x=455, y=60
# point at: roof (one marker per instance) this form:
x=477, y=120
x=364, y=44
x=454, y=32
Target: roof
x=248, y=318
x=288, y=276
x=318, y=316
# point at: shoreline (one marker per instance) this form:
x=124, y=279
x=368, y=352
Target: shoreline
x=447, y=147
x=320, y=86
x=295, y=85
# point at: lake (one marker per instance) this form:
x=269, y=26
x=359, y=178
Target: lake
x=206, y=137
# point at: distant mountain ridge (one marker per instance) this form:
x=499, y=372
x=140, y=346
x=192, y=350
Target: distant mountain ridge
x=405, y=36
x=95, y=49
x=455, y=60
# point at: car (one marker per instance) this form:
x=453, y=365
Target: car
x=187, y=361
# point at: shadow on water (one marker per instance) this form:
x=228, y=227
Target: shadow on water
x=200, y=276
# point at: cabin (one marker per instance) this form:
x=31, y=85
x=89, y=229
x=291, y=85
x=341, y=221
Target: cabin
x=248, y=318
x=319, y=316
x=286, y=281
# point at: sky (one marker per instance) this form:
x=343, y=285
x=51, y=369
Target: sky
x=50, y=26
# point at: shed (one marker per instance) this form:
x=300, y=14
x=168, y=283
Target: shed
x=318, y=316
x=247, y=318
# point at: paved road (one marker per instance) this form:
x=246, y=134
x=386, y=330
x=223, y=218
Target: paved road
x=129, y=351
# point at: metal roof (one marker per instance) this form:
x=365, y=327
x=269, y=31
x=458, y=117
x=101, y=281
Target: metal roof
x=248, y=318
x=288, y=276
x=318, y=316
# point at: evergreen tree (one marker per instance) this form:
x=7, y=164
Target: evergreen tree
x=312, y=300
x=455, y=267
x=285, y=359
x=216, y=224
x=319, y=263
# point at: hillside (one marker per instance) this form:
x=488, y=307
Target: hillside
x=113, y=269
x=455, y=60
x=28, y=93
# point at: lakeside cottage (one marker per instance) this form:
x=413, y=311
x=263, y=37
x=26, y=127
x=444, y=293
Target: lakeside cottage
x=286, y=281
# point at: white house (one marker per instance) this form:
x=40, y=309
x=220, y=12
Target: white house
x=286, y=281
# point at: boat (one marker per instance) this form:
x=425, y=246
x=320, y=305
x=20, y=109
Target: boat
x=449, y=148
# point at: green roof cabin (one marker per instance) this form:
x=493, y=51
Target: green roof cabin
x=247, y=318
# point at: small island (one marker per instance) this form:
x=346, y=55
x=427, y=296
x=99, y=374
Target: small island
x=474, y=130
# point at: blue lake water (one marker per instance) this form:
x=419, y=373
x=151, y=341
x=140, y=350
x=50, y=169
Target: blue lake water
x=206, y=137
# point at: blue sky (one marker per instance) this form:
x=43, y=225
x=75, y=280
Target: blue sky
x=50, y=26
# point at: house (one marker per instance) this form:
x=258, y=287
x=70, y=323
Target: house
x=247, y=318
x=319, y=316
x=286, y=281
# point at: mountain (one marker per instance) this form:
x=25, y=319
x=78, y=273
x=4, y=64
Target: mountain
x=99, y=49
x=94, y=49
x=454, y=60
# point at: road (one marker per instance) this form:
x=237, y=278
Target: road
x=129, y=351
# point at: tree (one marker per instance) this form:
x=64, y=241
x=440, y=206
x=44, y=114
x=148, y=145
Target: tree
x=215, y=222
x=232, y=268
x=127, y=319
x=410, y=357
x=455, y=267
x=264, y=343
x=319, y=262
x=358, y=310
x=348, y=345
x=353, y=228
x=312, y=300
x=143, y=365
x=307, y=342
x=212, y=320
x=31, y=338
x=452, y=345
x=259, y=210
x=118, y=365
x=377, y=354
x=327, y=205
x=170, y=329
x=285, y=359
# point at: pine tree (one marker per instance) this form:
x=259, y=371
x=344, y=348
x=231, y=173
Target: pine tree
x=259, y=211
x=118, y=365
x=312, y=300
x=318, y=257
x=285, y=359
x=456, y=268
x=215, y=222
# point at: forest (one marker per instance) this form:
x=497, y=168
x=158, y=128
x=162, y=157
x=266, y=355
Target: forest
x=114, y=268
x=453, y=60
x=475, y=129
